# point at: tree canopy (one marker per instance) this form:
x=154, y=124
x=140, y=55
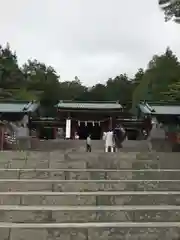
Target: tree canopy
x=161, y=76
x=160, y=81
x=171, y=9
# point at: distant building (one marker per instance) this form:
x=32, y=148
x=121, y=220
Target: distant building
x=167, y=114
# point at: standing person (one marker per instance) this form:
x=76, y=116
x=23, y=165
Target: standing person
x=109, y=141
x=119, y=136
x=88, y=143
x=157, y=137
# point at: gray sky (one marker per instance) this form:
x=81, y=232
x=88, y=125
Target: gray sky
x=91, y=39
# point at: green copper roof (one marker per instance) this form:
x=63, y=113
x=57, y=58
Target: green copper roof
x=169, y=110
x=160, y=109
x=17, y=107
x=74, y=105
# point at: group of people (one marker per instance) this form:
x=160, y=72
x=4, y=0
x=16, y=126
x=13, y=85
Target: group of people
x=112, y=139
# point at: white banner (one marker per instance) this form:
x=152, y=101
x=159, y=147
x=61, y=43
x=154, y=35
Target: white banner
x=68, y=128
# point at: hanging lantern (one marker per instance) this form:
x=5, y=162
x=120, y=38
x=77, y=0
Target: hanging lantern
x=99, y=123
x=79, y=123
x=86, y=123
x=93, y=123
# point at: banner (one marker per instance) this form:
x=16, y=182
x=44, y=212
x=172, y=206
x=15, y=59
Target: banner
x=68, y=128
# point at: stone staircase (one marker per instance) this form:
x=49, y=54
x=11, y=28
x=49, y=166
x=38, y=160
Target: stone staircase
x=79, y=196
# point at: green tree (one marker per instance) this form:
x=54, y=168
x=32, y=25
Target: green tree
x=97, y=93
x=138, y=77
x=173, y=93
x=171, y=9
x=162, y=72
x=72, y=90
x=44, y=79
x=119, y=88
x=11, y=75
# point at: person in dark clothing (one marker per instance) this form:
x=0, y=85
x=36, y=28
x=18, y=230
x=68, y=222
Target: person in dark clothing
x=119, y=136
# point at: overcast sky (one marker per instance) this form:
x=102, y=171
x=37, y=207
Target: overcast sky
x=91, y=39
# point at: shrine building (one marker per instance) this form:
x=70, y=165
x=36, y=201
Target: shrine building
x=86, y=118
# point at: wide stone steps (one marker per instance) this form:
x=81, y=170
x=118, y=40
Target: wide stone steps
x=87, y=185
x=79, y=196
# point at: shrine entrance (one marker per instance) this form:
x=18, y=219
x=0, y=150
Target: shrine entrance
x=94, y=129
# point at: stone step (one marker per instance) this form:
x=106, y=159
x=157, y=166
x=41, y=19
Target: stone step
x=87, y=185
x=90, y=208
x=92, y=225
x=75, y=155
x=100, y=164
x=90, y=231
x=83, y=214
x=91, y=198
x=86, y=174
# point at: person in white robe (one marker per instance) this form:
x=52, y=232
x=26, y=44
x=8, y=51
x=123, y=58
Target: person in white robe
x=109, y=141
x=157, y=137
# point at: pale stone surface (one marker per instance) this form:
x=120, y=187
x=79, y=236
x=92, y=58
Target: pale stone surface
x=17, y=163
x=25, y=186
x=85, y=175
x=38, y=155
x=79, y=187
x=118, y=186
x=119, y=175
x=145, y=165
x=34, y=174
x=4, y=233
x=74, y=216
x=129, y=234
x=91, y=234
x=11, y=155
x=142, y=200
x=42, y=164
x=33, y=200
x=95, y=200
x=56, y=164
x=9, y=174
x=67, y=234
x=28, y=234
x=75, y=156
x=58, y=175
x=58, y=200
x=26, y=216
x=10, y=200
x=77, y=216
x=77, y=175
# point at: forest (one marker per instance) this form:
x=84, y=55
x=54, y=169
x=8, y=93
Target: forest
x=34, y=80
